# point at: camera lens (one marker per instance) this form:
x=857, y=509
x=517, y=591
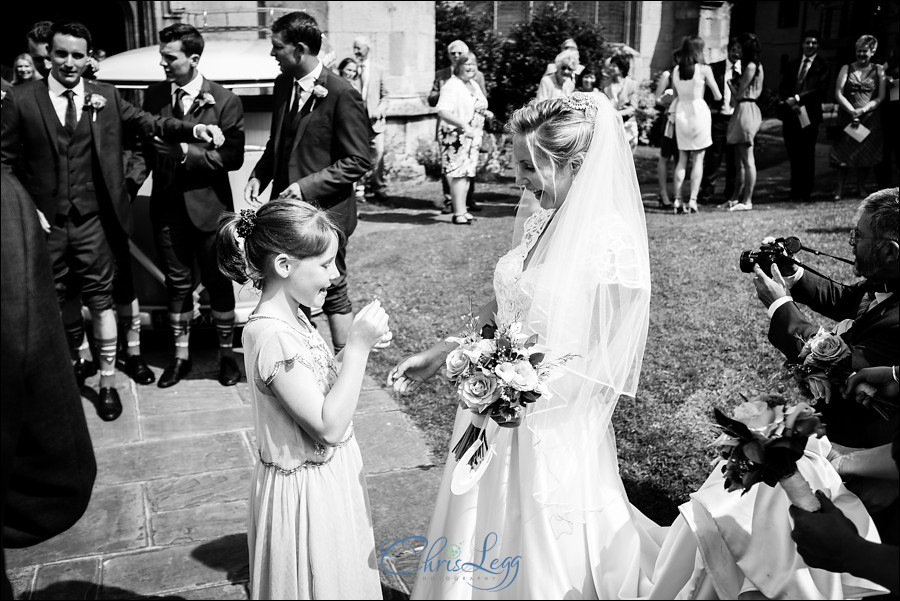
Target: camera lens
x=747, y=261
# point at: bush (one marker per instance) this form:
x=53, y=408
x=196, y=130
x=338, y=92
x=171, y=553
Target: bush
x=646, y=111
x=456, y=21
x=532, y=45
x=428, y=155
x=495, y=157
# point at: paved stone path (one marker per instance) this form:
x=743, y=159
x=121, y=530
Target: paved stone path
x=168, y=513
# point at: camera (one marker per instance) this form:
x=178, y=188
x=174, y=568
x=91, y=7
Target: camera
x=768, y=253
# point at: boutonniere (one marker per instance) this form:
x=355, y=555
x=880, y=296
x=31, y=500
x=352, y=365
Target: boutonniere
x=94, y=102
x=2, y=95
x=319, y=92
x=204, y=99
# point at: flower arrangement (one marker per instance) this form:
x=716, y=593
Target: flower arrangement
x=94, y=102
x=826, y=363
x=203, y=100
x=762, y=443
x=497, y=371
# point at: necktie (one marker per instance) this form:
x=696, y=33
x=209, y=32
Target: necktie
x=178, y=107
x=295, y=105
x=71, y=113
x=802, y=75
x=865, y=303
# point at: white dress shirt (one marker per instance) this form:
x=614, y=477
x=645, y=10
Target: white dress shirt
x=61, y=103
x=727, y=109
x=307, y=82
x=191, y=91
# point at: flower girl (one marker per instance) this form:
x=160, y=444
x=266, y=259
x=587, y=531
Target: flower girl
x=309, y=525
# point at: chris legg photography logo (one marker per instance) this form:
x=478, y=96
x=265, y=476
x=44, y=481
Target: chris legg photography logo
x=444, y=560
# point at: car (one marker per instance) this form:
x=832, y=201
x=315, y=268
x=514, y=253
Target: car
x=247, y=69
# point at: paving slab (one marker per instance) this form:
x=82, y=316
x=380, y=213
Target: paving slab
x=414, y=490
x=21, y=580
x=223, y=419
x=374, y=401
x=168, y=458
x=75, y=579
x=107, y=434
x=220, y=562
x=226, y=592
x=194, y=396
x=389, y=441
x=198, y=524
x=114, y=521
x=171, y=494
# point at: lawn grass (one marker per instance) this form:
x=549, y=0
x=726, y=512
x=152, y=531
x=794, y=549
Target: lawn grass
x=707, y=339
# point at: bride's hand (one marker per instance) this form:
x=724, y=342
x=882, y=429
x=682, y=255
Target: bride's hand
x=412, y=371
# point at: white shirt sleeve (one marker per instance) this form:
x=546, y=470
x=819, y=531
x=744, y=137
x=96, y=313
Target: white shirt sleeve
x=789, y=281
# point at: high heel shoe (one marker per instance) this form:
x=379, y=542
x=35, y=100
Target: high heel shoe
x=663, y=205
x=679, y=207
x=692, y=206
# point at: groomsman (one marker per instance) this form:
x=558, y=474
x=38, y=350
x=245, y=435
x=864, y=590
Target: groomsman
x=803, y=89
x=318, y=145
x=63, y=136
x=190, y=192
x=723, y=71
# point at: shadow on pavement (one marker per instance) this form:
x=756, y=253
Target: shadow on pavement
x=228, y=554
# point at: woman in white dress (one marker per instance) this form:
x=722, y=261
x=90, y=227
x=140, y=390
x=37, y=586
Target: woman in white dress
x=549, y=516
x=693, y=121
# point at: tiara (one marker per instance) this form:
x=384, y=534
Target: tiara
x=246, y=223
x=584, y=102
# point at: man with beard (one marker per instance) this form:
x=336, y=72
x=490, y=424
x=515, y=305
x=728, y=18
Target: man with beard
x=869, y=322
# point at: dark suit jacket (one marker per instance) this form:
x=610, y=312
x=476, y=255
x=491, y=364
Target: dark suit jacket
x=874, y=338
x=812, y=93
x=29, y=143
x=203, y=177
x=330, y=147
x=440, y=78
x=718, y=71
x=48, y=460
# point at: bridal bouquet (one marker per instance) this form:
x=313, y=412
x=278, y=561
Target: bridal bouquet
x=826, y=363
x=497, y=371
x=762, y=443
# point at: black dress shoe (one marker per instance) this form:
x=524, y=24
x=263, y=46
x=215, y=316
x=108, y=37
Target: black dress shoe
x=229, y=374
x=137, y=368
x=109, y=407
x=84, y=369
x=174, y=373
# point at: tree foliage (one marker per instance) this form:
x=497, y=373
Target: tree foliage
x=456, y=21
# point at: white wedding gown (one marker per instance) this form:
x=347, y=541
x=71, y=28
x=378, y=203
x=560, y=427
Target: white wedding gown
x=498, y=542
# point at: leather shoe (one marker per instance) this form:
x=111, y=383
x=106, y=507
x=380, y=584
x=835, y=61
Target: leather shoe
x=109, y=407
x=137, y=368
x=84, y=369
x=174, y=373
x=229, y=374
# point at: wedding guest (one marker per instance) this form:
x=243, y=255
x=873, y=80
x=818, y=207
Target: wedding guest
x=560, y=83
x=587, y=81
x=693, y=121
x=623, y=90
x=308, y=501
x=664, y=133
x=375, y=96
x=745, y=121
x=455, y=49
x=803, y=89
x=462, y=109
x=570, y=46
x=48, y=461
x=858, y=92
x=322, y=149
x=889, y=167
x=38, y=39
x=349, y=70
x=190, y=191
x=24, y=69
x=92, y=187
x=723, y=72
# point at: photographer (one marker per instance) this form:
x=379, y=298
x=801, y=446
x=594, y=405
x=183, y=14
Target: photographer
x=869, y=315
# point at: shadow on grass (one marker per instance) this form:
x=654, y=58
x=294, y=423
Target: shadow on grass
x=654, y=502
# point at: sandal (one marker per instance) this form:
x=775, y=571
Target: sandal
x=679, y=208
x=461, y=220
x=692, y=206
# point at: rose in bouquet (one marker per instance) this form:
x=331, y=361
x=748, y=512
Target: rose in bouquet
x=762, y=443
x=825, y=363
x=497, y=372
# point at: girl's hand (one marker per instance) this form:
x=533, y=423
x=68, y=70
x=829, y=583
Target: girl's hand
x=369, y=326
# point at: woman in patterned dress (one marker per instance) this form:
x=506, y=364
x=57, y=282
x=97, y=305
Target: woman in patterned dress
x=859, y=91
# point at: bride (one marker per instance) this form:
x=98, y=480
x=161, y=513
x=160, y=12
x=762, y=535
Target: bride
x=549, y=517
